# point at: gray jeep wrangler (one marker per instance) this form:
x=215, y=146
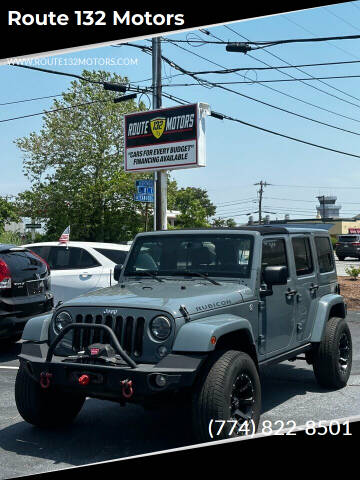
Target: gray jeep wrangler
x=195, y=315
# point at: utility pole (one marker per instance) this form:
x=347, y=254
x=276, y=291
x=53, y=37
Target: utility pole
x=160, y=176
x=260, y=192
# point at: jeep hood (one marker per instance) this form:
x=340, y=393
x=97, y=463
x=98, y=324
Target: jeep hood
x=196, y=295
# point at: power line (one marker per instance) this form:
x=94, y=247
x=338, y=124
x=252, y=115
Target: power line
x=276, y=90
x=269, y=43
x=222, y=116
x=64, y=108
x=29, y=100
x=340, y=18
x=253, y=82
x=316, y=186
x=268, y=86
x=107, y=85
x=279, y=67
x=207, y=82
x=307, y=201
x=218, y=115
x=306, y=73
x=286, y=17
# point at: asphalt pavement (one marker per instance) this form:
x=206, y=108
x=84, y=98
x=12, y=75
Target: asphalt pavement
x=341, y=266
x=104, y=430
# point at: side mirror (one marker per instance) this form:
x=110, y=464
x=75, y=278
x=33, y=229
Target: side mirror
x=275, y=275
x=117, y=271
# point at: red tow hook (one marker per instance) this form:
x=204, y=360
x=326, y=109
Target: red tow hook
x=127, y=388
x=84, y=380
x=45, y=378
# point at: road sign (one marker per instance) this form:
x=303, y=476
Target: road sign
x=144, y=183
x=33, y=225
x=166, y=139
x=145, y=191
x=139, y=197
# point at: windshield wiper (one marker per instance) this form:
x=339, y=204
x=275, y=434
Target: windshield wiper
x=198, y=274
x=149, y=274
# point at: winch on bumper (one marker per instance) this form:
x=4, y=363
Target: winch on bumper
x=106, y=371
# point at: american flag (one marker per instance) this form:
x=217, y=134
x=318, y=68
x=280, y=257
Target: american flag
x=65, y=236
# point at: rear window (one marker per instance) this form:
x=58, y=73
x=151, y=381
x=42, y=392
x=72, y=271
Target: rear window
x=347, y=238
x=116, y=256
x=22, y=260
x=302, y=255
x=325, y=254
x=63, y=258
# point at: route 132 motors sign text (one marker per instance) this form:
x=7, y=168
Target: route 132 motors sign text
x=166, y=139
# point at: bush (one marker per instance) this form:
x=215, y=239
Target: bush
x=11, y=237
x=334, y=240
x=353, y=272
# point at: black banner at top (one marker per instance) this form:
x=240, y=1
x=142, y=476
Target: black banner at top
x=34, y=30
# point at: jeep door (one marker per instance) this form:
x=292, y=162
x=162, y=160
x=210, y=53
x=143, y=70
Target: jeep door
x=306, y=284
x=277, y=319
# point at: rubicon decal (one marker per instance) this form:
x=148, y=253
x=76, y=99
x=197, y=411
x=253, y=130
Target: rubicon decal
x=209, y=306
x=169, y=138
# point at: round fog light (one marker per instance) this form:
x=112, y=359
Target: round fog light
x=160, y=380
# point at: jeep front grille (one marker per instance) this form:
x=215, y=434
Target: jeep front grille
x=129, y=331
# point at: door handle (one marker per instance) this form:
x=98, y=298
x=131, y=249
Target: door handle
x=290, y=293
x=313, y=288
x=85, y=275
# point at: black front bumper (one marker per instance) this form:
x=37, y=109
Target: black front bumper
x=106, y=381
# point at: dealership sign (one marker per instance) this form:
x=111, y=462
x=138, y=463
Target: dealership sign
x=354, y=230
x=166, y=139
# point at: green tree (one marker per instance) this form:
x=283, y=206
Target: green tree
x=8, y=213
x=222, y=222
x=194, y=205
x=75, y=164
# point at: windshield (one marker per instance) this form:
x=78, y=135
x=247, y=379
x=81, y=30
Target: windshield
x=211, y=254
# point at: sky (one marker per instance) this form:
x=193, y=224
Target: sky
x=238, y=156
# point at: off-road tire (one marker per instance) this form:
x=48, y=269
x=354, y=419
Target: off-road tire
x=213, y=393
x=44, y=407
x=328, y=369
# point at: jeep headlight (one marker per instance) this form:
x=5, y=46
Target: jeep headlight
x=160, y=328
x=61, y=320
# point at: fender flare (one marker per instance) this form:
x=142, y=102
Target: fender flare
x=36, y=329
x=195, y=336
x=325, y=305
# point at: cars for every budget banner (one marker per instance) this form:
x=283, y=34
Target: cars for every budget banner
x=168, y=138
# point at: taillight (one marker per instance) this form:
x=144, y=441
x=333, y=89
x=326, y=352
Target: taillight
x=337, y=244
x=5, y=275
x=356, y=244
x=41, y=260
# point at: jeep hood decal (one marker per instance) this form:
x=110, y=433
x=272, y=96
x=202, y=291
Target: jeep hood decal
x=196, y=295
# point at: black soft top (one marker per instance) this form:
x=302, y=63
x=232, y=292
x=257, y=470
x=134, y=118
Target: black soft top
x=263, y=229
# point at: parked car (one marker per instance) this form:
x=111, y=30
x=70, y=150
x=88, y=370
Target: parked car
x=348, y=246
x=24, y=289
x=195, y=315
x=80, y=267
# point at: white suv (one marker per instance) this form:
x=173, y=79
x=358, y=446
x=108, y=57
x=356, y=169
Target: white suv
x=79, y=267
